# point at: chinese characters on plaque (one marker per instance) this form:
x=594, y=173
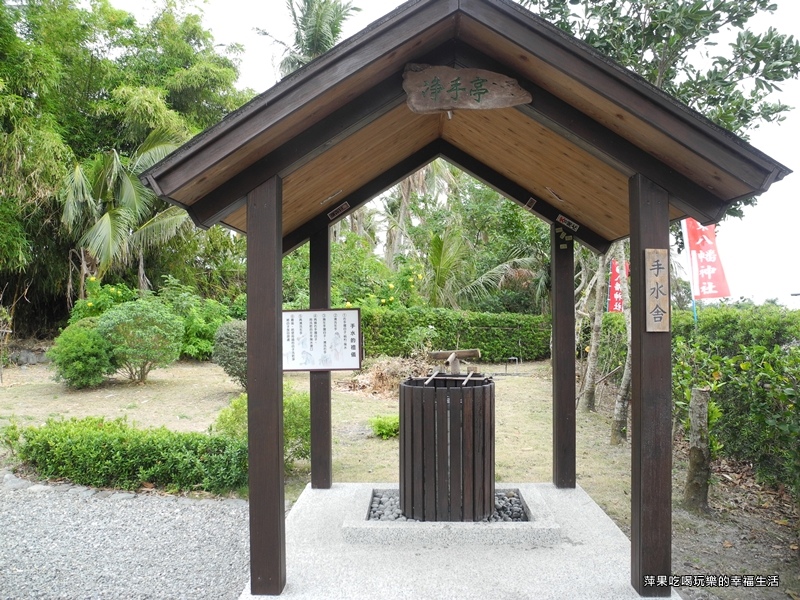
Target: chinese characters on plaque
x=432, y=89
x=321, y=340
x=656, y=277
x=708, y=277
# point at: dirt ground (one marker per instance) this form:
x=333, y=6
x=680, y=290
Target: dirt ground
x=750, y=530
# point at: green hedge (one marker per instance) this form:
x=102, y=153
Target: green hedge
x=498, y=336
x=729, y=328
x=101, y=453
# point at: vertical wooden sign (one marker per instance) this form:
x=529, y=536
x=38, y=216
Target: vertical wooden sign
x=656, y=276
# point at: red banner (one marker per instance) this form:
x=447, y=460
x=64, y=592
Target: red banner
x=708, y=277
x=615, y=287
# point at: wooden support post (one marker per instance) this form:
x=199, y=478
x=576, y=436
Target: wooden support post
x=265, y=389
x=563, y=355
x=651, y=400
x=320, y=381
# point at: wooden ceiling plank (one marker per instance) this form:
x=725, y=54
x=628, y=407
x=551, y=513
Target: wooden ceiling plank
x=600, y=141
x=609, y=80
x=378, y=101
x=519, y=194
x=362, y=195
x=354, y=162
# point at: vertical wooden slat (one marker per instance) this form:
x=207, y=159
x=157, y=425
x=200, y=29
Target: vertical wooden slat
x=406, y=491
x=468, y=446
x=428, y=447
x=488, y=450
x=651, y=405
x=417, y=448
x=265, y=389
x=563, y=357
x=455, y=458
x=478, y=502
x=320, y=381
x=442, y=462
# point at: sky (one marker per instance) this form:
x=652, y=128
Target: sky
x=757, y=252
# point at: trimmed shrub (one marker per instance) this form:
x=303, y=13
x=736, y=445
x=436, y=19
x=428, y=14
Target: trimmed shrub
x=96, y=452
x=232, y=422
x=144, y=334
x=230, y=350
x=385, y=427
x=391, y=332
x=82, y=357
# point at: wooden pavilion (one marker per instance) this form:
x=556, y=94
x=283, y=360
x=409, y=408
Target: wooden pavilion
x=598, y=153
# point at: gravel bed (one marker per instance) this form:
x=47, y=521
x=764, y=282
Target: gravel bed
x=65, y=542
x=385, y=506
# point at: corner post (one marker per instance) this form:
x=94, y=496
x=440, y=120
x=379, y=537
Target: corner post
x=265, y=389
x=320, y=381
x=562, y=258
x=651, y=396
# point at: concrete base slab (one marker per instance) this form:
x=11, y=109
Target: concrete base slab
x=330, y=556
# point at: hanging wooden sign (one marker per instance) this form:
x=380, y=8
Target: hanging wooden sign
x=432, y=89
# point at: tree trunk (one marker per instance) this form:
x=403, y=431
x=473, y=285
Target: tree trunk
x=695, y=494
x=619, y=427
x=589, y=381
x=144, y=282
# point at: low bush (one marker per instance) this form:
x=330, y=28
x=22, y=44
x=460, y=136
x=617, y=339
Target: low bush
x=230, y=350
x=144, y=334
x=201, y=317
x=101, y=453
x=81, y=356
x=760, y=420
x=232, y=422
x=385, y=427
x=99, y=298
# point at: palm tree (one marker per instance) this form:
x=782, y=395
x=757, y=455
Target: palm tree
x=317, y=29
x=114, y=214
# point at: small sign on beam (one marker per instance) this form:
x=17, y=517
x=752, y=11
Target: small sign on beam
x=322, y=340
x=432, y=89
x=656, y=277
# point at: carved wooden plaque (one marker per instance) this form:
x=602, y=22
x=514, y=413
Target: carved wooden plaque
x=656, y=277
x=432, y=89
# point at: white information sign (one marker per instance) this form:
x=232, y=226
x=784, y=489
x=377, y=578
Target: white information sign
x=322, y=340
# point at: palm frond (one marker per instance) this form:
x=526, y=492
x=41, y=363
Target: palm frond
x=76, y=194
x=108, y=239
x=158, y=145
x=161, y=228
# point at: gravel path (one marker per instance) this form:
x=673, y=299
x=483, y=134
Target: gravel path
x=71, y=542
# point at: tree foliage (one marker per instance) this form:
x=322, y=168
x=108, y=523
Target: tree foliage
x=317, y=28
x=82, y=86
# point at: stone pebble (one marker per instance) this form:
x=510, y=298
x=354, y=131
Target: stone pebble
x=385, y=506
